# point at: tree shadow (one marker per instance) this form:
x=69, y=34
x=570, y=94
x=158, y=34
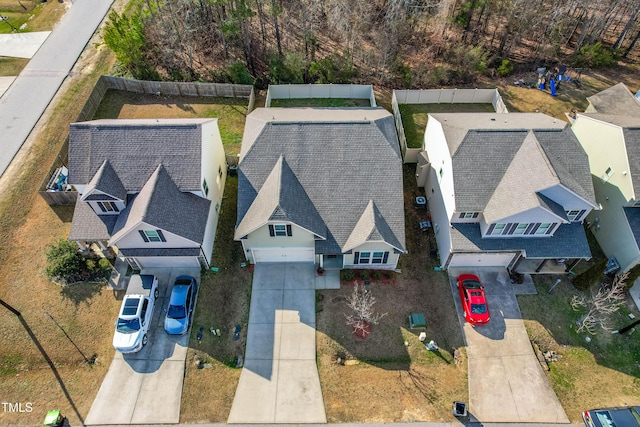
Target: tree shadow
x=81, y=292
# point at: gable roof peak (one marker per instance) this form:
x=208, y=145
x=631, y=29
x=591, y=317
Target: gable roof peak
x=371, y=226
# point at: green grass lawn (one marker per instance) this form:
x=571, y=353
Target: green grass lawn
x=231, y=112
x=320, y=102
x=414, y=117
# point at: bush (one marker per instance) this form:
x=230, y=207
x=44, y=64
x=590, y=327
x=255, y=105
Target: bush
x=505, y=68
x=290, y=70
x=334, y=68
x=597, y=56
x=238, y=74
x=65, y=261
x=377, y=275
x=104, y=264
x=364, y=274
x=347, y=275
x=589, y=277
x=634, y=273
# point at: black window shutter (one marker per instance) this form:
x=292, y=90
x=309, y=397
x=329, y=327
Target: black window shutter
x=161, y=235
x=491, y=227
x=537, y=225
x=386, y=258
x=115, y=207
x=509, y=228
x=271, y=231
x=551, y=228
x=475, y=214
x=529, y=228
x=144, y=236
x=461, y=215
x=289, y=230
x=580, y=215
x=101, y=206
x=356, y=257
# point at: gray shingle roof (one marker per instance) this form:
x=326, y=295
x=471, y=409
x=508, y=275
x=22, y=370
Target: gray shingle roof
x=135, y=148
x=616, y=100
x=552, y=206
x=568, y=241
x=633, y=218
x=371, y=227
x=142, y=252
x=161, y=204
x=87, y=226
x=106, y=181
x=632, y=143
x=489, y=166
x=100, y=197
x=342, y=158
x=282, y=198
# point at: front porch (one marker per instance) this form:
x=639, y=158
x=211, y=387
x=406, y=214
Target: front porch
x=332, y=262
x=543, y=266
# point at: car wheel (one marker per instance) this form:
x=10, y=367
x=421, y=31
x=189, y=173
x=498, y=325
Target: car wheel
x=156, y=293
x=144, y=340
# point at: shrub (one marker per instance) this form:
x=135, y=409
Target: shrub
x=334, y=68
x=377, y=275
x=91, y=265
x=505, y=68
x=64, y=261
x=347, y=275
x=597, y=56
x=291, y=69
x=364, y=274
x=238, y=74
x=634, y=273
x=589, y=277
x=104, y=263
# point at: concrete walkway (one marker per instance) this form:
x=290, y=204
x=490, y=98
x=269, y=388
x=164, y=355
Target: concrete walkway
x=22, y=45
x=146, y=387
x=279, y=381
x=506, y=381
x=27, y=98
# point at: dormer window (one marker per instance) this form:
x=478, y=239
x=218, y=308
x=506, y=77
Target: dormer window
x=468, y=215
x=108, y=207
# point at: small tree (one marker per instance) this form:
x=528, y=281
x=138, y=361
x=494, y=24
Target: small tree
x=600, y=305
x=362, y=302
x=65, y=261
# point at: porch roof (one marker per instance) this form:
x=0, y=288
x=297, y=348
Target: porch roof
x=87, y=226
x=569, y=241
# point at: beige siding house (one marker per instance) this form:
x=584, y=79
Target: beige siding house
x=321, y=185
x=609, y=131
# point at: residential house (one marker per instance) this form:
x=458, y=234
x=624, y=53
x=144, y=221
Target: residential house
x=507, y=190
x=149, y=189
x=321, y=185
x=609, y=131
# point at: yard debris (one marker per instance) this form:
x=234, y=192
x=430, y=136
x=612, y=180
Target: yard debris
x=551, y=356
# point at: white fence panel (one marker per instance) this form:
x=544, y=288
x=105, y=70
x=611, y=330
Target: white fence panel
x=320, y=91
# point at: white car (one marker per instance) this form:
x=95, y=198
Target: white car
x=136, y=314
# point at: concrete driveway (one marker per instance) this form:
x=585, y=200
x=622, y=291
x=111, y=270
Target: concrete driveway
x=279, y=381
x=506, y=381
x=146, y=387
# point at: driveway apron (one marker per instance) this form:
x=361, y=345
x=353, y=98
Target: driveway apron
x=279, y=382
x=506, y=381
x=146, y=387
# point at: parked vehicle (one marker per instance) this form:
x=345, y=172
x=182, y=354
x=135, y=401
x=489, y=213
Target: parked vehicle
x=136, y=313
x=474, y=303
x=180, y=311
x=626, y=416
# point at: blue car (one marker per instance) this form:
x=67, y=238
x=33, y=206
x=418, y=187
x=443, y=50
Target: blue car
x=181, y=303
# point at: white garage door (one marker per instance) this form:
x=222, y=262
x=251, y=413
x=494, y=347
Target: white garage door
x=283, y=255
x=176, y=261
x=481, y=260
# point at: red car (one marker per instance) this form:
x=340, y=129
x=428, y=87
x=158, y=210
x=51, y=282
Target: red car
x=473, y=301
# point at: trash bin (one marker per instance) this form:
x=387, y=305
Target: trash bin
x=459, y=409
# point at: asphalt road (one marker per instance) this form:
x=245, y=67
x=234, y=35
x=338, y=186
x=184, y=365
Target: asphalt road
x=27, y=98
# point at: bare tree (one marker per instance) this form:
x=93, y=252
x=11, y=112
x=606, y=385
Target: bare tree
x=600, y=305
x=362, y=302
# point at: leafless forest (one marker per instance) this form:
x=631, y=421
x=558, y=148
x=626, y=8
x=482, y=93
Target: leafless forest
x=411, y=43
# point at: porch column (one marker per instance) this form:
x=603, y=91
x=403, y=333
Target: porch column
x=102, y=246
x=81, y=245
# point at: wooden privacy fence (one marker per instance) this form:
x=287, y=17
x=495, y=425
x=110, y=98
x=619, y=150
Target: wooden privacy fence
x=439, y=96
x=302, y=91
x=105, y=83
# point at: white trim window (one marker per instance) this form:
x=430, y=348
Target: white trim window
x=152, y=235
x=108, y=207
x=607, y=174
x=468, y=215
x=498, y=229
x=575, y=215
x=543, y=228
x=521, y=228
x=280, y=229
x=377, y=257
x=371, y=257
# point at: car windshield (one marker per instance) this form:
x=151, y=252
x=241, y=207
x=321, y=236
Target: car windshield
x=176, y=312
x=127, y=326
x=478, y=308
x=472, y=284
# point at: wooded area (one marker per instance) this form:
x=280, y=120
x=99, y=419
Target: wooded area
x=399, y=43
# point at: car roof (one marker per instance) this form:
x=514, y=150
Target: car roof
x=179, y=293
x=621, y=416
